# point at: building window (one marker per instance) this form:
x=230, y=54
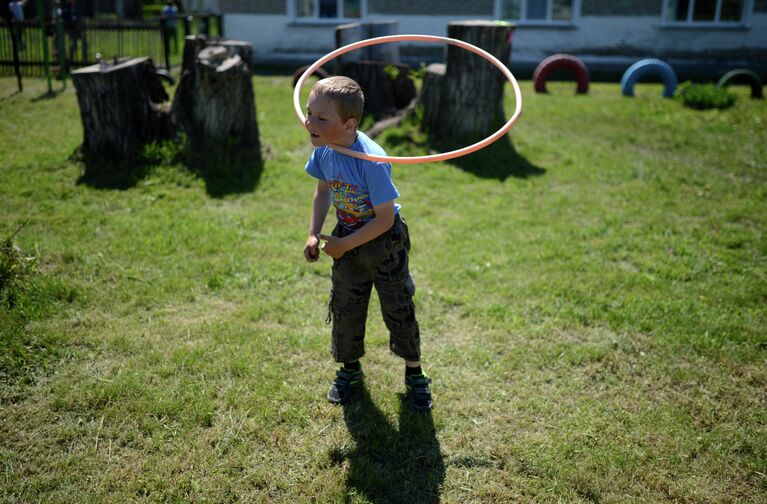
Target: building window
x=331, y=10
x=538, y=11
x=707, y=12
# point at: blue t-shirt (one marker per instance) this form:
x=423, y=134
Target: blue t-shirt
x=357, y=185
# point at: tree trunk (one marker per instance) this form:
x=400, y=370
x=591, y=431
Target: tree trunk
x=387, y=87
x=214, y=102
x=383, y=52
x=121, y=107
x=463, y=102
x=354, y=32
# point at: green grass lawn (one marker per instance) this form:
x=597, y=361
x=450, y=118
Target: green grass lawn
x=592, y=299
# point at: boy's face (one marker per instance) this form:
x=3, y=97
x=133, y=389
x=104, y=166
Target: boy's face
x=324, y=122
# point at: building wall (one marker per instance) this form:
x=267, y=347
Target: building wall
x=253, y=6
x=600, y=36
x=621, y=7
x=482, y=8
x=201, y=6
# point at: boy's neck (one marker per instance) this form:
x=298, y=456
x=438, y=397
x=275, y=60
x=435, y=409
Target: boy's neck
x=348, y=140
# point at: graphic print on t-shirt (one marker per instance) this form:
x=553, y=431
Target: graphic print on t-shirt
x=353, y=205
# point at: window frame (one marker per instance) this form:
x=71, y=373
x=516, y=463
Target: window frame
x=317, y=20
x=548, y=22
x=690, y=23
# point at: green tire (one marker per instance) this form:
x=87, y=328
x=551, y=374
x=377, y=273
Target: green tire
x=743, y=74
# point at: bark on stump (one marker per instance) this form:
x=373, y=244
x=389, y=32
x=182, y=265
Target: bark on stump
x=214, y=101
x=387, y=87
x=122, y=108
x=463, y=100
x=354, y=32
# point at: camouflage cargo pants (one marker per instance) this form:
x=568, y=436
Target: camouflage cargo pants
x=383, y=263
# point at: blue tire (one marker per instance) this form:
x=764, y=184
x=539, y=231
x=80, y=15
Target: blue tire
x=650, y=66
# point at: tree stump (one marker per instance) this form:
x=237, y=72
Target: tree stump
x=214, y=102
x=387, y=87
x=376, y=69
x=463, y=100
x=354, y=32
x=122, y=107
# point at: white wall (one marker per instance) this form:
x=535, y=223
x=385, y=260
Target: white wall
x=277, y=39
x=195, y=6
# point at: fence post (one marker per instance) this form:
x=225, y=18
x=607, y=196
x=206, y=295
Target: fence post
x=15, y=30
x=205, y=22
x=165, y=41
x=220, y=19
x=187, y=26
x=120, y=30
x=84, y=39
x=44, y=38
x=60, y=48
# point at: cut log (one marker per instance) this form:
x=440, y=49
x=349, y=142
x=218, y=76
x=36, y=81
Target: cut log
x=214, y=102
x=345, y=35
x=354, y=32
x=463, y=102
x=387, y=87
x=123, y=107
x=193, y=44
x=383, y=52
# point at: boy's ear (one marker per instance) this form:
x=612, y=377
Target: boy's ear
x=351, y=124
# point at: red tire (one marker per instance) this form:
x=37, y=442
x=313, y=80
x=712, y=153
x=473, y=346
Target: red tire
x=559, y=62
x=320, y=72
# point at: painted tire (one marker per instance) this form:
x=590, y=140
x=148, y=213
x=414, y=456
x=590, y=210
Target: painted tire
x=742, y=74
x=650, y=66
x=561, y=62
x=320, y=72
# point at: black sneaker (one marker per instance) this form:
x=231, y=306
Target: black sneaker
x=418, y=392
x=345, y=383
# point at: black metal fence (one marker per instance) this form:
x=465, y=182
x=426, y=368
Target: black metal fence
x=75, y=46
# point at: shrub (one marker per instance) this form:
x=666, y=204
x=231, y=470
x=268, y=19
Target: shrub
x=26, y=295
x=391, y=71
x=15, y=268
x=705, y=96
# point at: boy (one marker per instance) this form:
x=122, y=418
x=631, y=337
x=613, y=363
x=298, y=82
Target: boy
x=369, y=244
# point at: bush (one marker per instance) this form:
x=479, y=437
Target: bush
x=15, y=268
x=705, y=96
x=26, y=295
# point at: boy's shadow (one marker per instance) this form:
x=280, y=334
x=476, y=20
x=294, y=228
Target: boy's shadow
x=390, y=465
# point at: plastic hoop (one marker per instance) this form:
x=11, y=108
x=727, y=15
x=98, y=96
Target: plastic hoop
x=414, y=38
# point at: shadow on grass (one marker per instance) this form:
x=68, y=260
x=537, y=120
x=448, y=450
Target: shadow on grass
x=500, y=160
x=47, y=96
x=390, y=465
x=107, y=173
x=225, y=171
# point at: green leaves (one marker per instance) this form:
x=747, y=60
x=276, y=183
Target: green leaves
x=705, y=96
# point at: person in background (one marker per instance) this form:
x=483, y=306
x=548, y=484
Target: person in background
x=170, y=14
x=73, y=29
x=17, y=15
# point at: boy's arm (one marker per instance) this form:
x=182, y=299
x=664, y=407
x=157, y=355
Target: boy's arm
x=320, y=205
x=383, y=220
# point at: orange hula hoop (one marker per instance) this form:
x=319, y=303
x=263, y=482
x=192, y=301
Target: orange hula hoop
x=414, y=38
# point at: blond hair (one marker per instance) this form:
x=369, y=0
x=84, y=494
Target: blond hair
x=345, y=93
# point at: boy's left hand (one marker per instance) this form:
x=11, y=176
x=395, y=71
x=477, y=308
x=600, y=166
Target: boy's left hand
x=333, y=246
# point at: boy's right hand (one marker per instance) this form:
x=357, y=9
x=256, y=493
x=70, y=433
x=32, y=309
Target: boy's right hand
x=312, y=248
